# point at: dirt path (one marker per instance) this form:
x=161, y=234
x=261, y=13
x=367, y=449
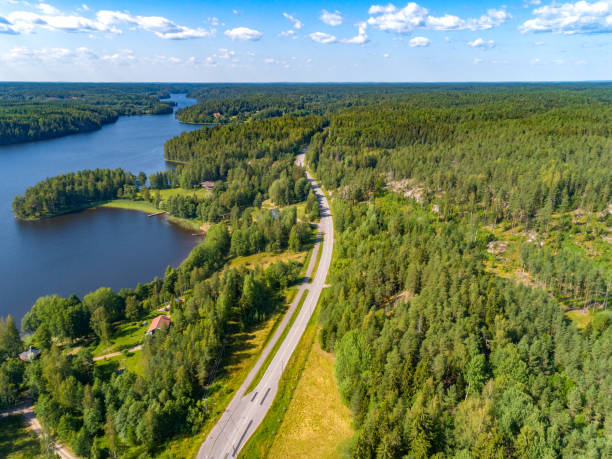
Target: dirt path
x=115, y=354
x=27, y=411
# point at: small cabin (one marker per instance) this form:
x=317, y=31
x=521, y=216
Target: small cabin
x=207, y=185
x=159, y=323
x=30, y=355
x=217, y=115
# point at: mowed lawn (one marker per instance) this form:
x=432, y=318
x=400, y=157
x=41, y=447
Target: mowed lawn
x=317, y=424
x=16, y=439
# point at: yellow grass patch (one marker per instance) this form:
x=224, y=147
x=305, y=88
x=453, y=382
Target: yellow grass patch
x=265, y=259
x=316, y=423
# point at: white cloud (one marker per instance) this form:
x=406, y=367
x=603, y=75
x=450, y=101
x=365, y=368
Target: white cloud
x=297, y=24
x=377, y=9
x=478, y=60
x=160, y=26
x=48, y=56
x=331, y=19
x=288, y=33
x=225, y=53
x=386, y=55
x=46, y=8
x=121, y=57
x=105, y=21
x=571, y=18
x=419, y=42
x=535, y=61
x=326, y=38
x=322, y=37
x=480, y=43
x=413, y=16
x=361, y=36
x=244, y=33
x=5, y=27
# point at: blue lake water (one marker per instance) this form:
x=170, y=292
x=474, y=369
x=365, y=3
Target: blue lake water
x=80, y=252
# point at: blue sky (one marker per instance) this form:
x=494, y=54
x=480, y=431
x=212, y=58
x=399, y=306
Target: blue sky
x=235, y=41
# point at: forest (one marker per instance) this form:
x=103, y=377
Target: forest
x=441, y=348
x=435, y=354
x=38, y=111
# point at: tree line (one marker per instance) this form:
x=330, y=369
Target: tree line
x=69, y=192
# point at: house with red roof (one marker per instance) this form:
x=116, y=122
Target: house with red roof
x=159, y=323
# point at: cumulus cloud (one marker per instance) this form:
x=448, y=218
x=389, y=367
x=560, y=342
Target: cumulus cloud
x=377, y=9
x=105, y=21
x=46, y=8
x=331, y=19
x=417, y=42
x=297, y=24
x=413, y=17
x=160, y=26
x=322, y=37
x=571, y=18
x=326, y=38
x=361, y=36
x=244, y=33
x=480, y=43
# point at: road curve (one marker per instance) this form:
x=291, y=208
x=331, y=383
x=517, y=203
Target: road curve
x=246, y=411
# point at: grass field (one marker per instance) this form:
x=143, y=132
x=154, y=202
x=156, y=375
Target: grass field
x=145, y=206
x=142, y=206
x=17, y=440
x=126, y=336
x=261, y=441
x=265, y=259
x=317, y=424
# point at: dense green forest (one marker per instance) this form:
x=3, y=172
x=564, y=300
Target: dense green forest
x=39, y=111
x=28, y=122
x=435, y=354
x=69, y=192
x=439, y=353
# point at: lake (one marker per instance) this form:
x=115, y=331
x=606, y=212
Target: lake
x=79, y=252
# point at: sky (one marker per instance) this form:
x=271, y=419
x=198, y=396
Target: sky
x=305, y=41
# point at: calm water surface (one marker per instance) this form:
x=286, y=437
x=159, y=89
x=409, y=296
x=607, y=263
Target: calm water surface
x=80, y=252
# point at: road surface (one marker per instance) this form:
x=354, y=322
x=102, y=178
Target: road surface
x=246, y=411
x=26, y=410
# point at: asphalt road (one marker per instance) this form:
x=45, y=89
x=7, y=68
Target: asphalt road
x=246, y=411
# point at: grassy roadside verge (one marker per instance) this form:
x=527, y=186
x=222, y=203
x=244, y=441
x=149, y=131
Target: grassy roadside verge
x=261, y=441
x=277, y=345
x=17, y=440
x=317, y=261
